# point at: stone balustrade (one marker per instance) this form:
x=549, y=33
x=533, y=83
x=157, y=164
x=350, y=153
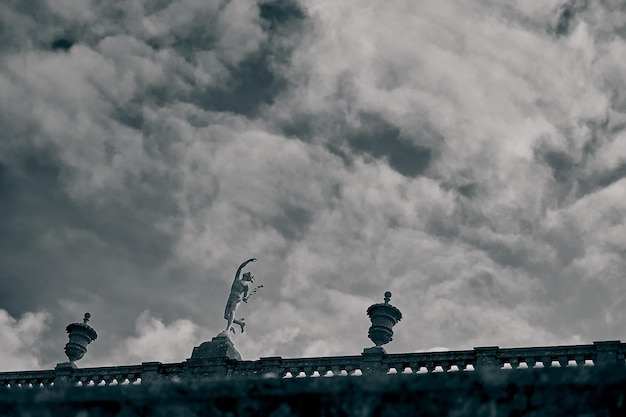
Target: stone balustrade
x=607, y=353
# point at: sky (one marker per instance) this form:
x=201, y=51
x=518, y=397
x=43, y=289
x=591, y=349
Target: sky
x=468, y=156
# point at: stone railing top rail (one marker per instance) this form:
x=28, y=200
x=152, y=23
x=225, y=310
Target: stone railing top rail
x=607, y=353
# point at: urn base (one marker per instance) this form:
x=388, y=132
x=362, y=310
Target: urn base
x=66, y=365
x=374, y=350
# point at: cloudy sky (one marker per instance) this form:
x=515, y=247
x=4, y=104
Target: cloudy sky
x=468, y=156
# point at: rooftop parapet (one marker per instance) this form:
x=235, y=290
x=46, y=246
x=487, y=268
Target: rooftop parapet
x=600, y=354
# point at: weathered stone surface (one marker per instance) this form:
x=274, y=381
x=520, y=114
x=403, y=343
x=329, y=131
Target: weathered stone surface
x=373, y=360
x=374, y=350
x=219, y=347
x=383, y=316
x=582, y=391
x=80, y=334
x=66, y=365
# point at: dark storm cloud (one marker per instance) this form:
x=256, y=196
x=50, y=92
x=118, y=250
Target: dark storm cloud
x=381, y=139
x=566, y=14
x=62, y=44
x=561, y=164
x=252, y=84
x=370, y=135
x=293, y=222
x=572, y=173
x=281, y=14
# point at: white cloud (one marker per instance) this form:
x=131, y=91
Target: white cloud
x=21, y=339
x=154, y=340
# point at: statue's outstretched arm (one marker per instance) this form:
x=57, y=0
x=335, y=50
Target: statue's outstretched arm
x=242, y=266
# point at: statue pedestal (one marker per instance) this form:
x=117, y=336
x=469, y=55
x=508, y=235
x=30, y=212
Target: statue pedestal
x=219, y=347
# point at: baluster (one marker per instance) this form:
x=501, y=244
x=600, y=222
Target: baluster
x=430, y=367
x=531, y=361
x=563, y=361
x=514, y=363
x=460, y=365
x=546, y=361
x=401, y=368
x=580, y=360
x=420, y=368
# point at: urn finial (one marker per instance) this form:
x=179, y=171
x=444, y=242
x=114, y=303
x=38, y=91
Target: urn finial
x=80, y=334
x=383, y=316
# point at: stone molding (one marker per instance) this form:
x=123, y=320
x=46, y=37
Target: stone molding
x=599, y=354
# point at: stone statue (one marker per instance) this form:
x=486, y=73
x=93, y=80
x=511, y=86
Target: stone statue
x=238, y=293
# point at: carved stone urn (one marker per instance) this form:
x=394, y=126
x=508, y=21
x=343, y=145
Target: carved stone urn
x=383, y=316
x=80, y=334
